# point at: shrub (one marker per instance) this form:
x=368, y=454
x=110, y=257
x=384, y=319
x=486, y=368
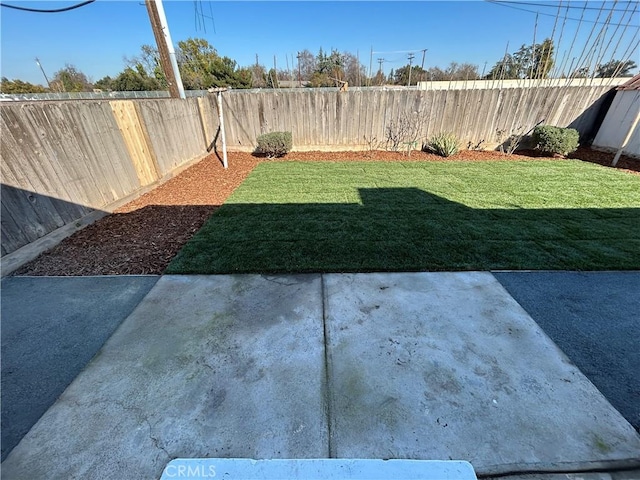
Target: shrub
x=510, y=144
x=555, y=140
x=274, y=144
x=443, y=144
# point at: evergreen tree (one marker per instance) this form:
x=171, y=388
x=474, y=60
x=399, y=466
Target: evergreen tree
x=530, y=61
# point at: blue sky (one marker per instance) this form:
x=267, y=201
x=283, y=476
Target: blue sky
x=96, y=38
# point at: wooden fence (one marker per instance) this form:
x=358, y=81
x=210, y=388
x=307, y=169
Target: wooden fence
x=63, y=160
x=328, y=120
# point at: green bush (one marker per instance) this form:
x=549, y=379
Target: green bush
x=443, y=144
x=274, y=144
x=555, y=140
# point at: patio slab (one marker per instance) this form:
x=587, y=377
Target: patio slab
x=422, y=366
x=449, y=366
x=204, y=367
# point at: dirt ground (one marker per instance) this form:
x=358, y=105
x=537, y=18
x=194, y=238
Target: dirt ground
x=144, y=235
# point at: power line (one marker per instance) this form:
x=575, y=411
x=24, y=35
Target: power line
x=402, y=51
x=556, y=6
x=501, y=4
x=56, y=10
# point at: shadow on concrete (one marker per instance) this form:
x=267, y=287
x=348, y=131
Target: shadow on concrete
x=408, y=229
x=594, y=318
x=51, y=329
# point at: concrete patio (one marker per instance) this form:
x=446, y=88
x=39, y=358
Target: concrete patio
x=423, y=366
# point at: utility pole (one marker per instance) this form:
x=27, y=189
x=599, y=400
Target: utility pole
x=291, y=71
x=166, y=51
x=45, y=75
x=424, y=53
x=370, y=65
x=299, y=72
x=276, y=84
x=411, y=57
x=286, y=57
x=380, y=62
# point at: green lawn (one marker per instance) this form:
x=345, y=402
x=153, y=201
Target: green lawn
x=376, y=216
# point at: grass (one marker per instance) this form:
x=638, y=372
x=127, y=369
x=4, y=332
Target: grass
x=368, y=216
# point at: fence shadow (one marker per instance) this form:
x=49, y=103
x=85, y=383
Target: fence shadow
x=27, y=216
x=589, y=121
x=408, y=229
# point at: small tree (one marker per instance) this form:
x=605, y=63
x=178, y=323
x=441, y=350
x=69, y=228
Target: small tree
x=105, y=83
x=272, y=79
x=70, y=79
x=616, y=68
x=307, y=63
x=402, y=75
x=530, y=61
x=582, y=72
x=135, y=80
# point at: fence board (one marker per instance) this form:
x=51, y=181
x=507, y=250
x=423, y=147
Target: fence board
x=126, y=116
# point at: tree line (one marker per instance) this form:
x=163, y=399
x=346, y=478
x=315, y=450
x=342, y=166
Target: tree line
x=202, y=67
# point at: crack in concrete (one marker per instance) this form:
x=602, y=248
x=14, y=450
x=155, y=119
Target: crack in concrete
x=143, y=418
x=327, y=364
x=156, y=442
x=273, y=280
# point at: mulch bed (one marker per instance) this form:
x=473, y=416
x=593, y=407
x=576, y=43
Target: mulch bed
x=144, y=235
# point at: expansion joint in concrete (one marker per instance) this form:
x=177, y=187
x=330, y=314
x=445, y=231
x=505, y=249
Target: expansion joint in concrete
x=327, y=370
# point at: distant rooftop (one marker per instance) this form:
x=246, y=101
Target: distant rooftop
x=632, y=84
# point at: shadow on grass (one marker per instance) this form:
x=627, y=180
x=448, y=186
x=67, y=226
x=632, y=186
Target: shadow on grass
x=408, y=229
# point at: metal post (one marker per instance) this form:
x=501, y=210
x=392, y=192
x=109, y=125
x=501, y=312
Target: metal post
x=224, y=138
x=370, y=66
x=634, y=124
x=45, y=75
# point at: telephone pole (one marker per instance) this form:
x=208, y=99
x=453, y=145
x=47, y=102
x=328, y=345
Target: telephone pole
x=424, y=53
x=276, y=84
x=380, y=61
x=166, y=51
x=299, y=73
x=370, y=66
x=411, y=56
